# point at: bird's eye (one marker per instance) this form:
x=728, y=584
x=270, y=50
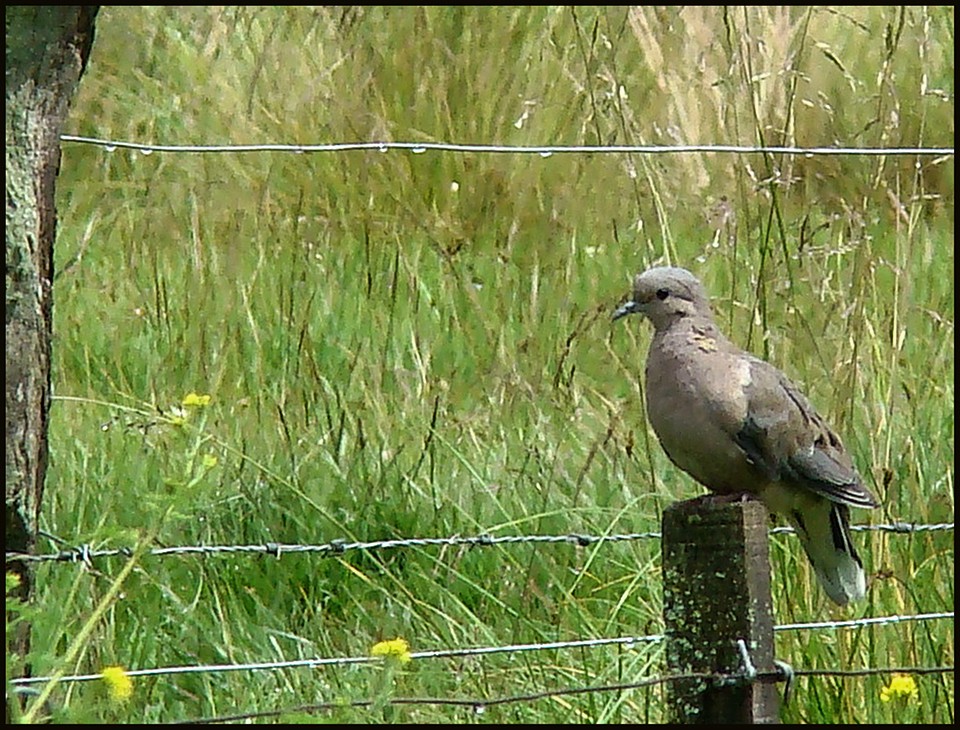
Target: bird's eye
x=662, y=294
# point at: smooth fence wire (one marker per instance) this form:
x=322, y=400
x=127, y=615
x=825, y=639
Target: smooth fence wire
x=111, y=145
x=627, y=642
x=85, y=554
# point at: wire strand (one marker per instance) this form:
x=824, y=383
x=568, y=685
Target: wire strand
x=479, y=705
x=627, y=642
x=111, y=145
x=85, y=554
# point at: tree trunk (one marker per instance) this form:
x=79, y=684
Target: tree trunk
x=47, y=50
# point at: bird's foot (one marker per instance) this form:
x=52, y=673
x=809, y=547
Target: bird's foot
x=730, y=498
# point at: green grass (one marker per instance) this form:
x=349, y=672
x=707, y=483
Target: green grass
x=393, y=355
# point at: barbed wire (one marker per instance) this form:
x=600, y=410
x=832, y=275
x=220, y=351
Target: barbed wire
x=627, y=642
x=85, y=554
x=111, y=145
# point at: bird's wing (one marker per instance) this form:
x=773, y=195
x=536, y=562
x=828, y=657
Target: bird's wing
x=785, y=437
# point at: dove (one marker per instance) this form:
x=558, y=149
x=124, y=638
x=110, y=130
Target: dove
x=737, y=425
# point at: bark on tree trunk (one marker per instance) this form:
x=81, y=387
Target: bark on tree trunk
x=47, y=51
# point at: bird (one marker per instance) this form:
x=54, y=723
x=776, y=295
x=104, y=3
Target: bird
x=737, y=424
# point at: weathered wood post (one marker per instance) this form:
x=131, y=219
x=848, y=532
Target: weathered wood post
x=716, y=589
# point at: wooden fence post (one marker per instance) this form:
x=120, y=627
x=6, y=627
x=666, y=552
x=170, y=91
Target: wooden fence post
x=716, y=589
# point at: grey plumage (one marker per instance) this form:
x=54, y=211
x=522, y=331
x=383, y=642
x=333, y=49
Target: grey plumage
x=737, y=424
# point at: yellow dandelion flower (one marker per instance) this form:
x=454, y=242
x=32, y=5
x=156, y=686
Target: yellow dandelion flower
x=209, y=461
x=397, y=650
x=901, y=687
x=119, y=684
x=195, y=400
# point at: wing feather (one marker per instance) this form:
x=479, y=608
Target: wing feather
x=786, y=438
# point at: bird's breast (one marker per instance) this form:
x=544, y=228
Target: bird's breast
x=696, y=403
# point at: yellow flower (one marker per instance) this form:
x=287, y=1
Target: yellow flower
x=396, y=649
x=119, y=684
x=902, y=687
x=198, y=401
x=209, y=461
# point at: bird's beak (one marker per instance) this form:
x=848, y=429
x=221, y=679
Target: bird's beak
x=627, y=308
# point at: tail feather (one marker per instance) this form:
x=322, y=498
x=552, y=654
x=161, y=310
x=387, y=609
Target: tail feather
x=824, y=530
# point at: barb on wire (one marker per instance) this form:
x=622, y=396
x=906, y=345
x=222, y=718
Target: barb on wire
x=111, y=145
x=84, y=554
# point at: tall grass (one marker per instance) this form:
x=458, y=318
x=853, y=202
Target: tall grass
x=418, y=345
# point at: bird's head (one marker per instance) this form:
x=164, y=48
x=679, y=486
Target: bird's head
x=665, y=295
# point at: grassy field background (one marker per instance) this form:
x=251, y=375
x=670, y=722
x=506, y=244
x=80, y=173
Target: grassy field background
x=419, y=345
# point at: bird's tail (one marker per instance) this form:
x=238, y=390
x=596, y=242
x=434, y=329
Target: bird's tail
x=824, y=530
